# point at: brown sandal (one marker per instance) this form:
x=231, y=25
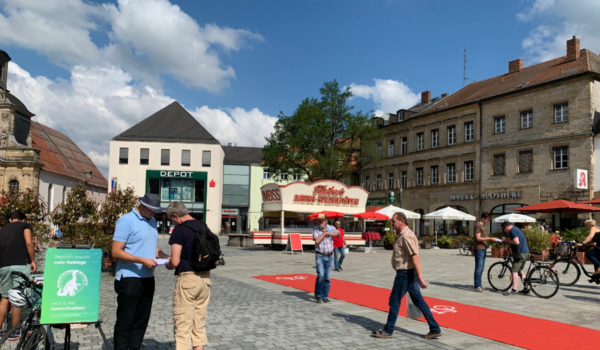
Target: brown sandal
x=381, y=334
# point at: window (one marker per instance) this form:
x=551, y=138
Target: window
x=561, y=113
x=391, y=148
x=205, y=158
x=343, y=181
x=378, y=182
x=144, y=156
x=165, y=157
x=525, y=161
x=435, y=179
x=451, y=135
x=404, y=145
x=499, y=125
x=265, y=174
x=386, y=121
x=419, y=176
x=367, y=187
x=379, y=148
x=185, y=157
x=64, y=197
x=401, y=116
x=435, y=138
x=420, y=141
x=390, y=181
x=298, y=177
x=123, y=155
x=13, y=185
x=469, y=171
x=50, y=195
x=451, y=168
x=469, y=132
x=527, y=119
x=561, y=157
x=403, y=180
x=283, y=177
x=499, y=163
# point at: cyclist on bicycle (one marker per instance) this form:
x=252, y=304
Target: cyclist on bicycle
x=594, y=254
x=518, y=244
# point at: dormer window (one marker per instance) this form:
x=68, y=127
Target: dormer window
x=401, y=116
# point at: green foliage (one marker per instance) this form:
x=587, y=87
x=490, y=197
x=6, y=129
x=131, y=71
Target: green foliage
x=537, y=239
x=577, y=234
x=496, y=244
x=77, y=217
x=323, y=139
x=389, y=238
x=445, y=241
x=28, y=201
x=117, y=203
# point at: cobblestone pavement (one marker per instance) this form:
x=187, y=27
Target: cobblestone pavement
x=246, y=313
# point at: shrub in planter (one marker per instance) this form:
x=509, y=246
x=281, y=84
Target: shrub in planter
x=388, y=240
x=577, y=234
x=538, y=241
x=444, y=242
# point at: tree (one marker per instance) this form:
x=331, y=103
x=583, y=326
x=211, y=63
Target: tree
x=323, y=139
x=77, y=217
x=117, y=203
x=31, y=204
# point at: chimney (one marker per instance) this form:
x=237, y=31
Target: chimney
x=444, y=95
x=425, y=97
x=572, y=49
x=515, y=66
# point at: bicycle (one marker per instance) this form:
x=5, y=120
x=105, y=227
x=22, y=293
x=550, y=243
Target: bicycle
x=466, y=247
x=542, y=280
x=33, y=335
x=565, y=266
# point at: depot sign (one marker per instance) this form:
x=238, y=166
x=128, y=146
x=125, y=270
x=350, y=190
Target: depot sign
x=307, y=198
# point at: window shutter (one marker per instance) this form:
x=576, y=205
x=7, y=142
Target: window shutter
x=185, y=157
x=145, y=153
x=525, y=161
x=165, y=156
x=205, y=158
x=123, y=153
x=499, y=162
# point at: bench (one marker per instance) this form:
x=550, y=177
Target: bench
x=238, y=240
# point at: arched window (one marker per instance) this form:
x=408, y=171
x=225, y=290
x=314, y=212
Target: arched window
x=50, y=195
x=502, y=209
x=13, y=185
x=452, y=227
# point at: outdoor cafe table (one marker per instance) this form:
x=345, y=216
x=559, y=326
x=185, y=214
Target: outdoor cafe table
x=371, y=236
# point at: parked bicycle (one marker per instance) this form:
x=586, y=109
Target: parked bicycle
x=33, y=335
x=466, y=247
x=541, y=279
x=567, y=264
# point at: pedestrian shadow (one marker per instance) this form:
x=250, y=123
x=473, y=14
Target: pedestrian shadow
x=147, y=343
x=370, y=324
x=306, y=296
x=453, y=285
x=580, y=298
x=595, y=292
x=589, y=286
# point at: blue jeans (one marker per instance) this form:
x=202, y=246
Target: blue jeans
x=479, y=265
x=406, y=281
x=324, y=269
x=593, y=256
x=338, y=263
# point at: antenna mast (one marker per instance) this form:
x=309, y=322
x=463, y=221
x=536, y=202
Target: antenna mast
x=465, y=67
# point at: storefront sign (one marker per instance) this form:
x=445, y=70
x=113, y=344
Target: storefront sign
x=499, y=195
x=182, y=174
x=376, y=201
x=392, y=198
x=230, y=211
x=71, y=286
x=581, y=179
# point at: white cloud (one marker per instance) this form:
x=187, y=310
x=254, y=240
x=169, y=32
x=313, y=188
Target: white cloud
x=556, y=21
x=147, y=38
x=388, y=95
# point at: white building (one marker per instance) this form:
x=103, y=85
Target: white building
x=172, y=155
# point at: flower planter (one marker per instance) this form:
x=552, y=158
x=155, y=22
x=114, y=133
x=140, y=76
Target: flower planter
x=388, y=246
x=444, y=245
x=582, y=257
x=544, y=257
x=499, y=252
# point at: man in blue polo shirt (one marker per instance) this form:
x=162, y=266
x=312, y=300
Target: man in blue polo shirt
x=135, y=247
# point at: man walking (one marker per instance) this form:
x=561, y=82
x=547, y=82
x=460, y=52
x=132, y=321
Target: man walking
x=480, y=249
x=339, y=247
x=518, y=244
x=135, y=247
x=323, y=235
x=17, y=253
x=405, y=260
x=191, y=293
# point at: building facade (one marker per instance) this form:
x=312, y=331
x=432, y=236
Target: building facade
x=172, y=155
x=498, y=144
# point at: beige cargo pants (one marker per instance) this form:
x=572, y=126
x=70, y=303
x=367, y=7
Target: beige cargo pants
x=191, y=295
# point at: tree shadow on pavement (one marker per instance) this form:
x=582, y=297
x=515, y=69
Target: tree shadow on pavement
x=370, y=324
x=468, y=287
x=588, y=299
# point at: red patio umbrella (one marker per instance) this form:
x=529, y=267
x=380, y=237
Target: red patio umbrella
x=374, y=216
x=373, y=209
x=593, y=201
x=328, y=214
x=557, y=206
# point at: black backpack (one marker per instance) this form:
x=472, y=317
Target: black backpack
x=205, y=249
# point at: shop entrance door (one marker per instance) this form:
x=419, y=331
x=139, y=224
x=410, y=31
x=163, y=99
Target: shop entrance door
x=230, y=222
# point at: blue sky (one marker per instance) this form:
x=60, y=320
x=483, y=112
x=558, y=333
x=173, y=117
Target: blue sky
x=93, y=69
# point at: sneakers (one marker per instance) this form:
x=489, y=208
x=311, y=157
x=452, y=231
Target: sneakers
x=340, y=268
x=319, y=300
x=380, y=333
x=511, y=292
x=327, y=301
x=431, y=335
x=337, y=270
x=524, y=291
x=479, y=290
x=15, y=336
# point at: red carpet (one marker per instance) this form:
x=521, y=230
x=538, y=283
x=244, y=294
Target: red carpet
x=518, y=330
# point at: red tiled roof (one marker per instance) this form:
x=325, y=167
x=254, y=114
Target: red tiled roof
x=538, y=74
x=60, y=155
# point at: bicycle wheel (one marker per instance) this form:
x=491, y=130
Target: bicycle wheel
x=568, y=272
x=500, y=276
x=463, y=248
x=4, y=343
x=36, y=339
x=543, y=281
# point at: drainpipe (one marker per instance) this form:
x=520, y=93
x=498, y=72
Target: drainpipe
x=480, y=156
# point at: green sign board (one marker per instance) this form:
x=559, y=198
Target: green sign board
x=392, y=198
x=376, y=201
x=71, y=286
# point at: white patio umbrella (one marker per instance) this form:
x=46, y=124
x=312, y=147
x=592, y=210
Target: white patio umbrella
x=514, y=217
x=391, y=210
x=448, y=213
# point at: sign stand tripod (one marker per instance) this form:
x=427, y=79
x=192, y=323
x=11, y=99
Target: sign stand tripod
x=294, y=242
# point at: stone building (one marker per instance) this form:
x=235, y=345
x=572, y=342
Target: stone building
x=501, y=143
